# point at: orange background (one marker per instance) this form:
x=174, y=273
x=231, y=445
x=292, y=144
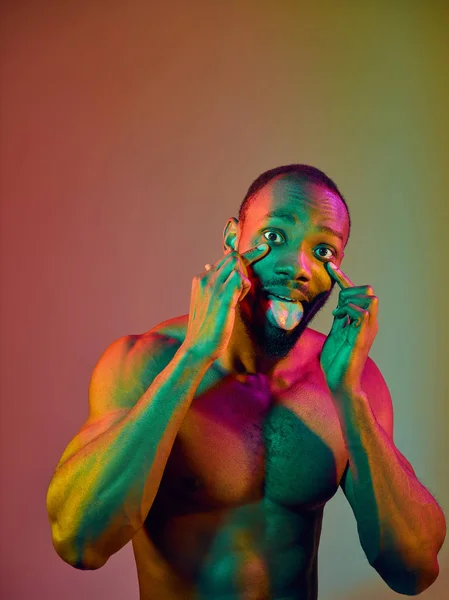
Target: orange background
x=130, y=132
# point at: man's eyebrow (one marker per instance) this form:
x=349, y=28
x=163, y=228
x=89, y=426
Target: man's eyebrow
x=282, y=215
x=293, y=220
x=332, y=231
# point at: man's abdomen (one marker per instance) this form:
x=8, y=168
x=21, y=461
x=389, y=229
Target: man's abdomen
x=260, y=551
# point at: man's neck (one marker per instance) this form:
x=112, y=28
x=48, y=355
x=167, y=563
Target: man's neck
x=243, y=356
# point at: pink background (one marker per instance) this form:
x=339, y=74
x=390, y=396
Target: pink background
x=130, y=132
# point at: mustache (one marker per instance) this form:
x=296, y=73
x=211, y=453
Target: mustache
x=297, y=286
x=317, y=302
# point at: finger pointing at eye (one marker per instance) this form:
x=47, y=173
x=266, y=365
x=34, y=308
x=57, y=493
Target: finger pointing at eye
x=337, y=275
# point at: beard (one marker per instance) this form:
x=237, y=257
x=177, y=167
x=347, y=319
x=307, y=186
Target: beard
x=272, y=341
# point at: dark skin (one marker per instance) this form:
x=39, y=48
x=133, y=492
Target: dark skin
x=282, y=417
x=349, y=406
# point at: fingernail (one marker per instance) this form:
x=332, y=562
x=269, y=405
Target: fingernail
x=262, y=246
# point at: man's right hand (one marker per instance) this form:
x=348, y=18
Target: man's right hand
x=214, y=297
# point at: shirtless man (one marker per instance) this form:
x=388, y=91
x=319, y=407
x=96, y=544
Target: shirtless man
x=215, y=439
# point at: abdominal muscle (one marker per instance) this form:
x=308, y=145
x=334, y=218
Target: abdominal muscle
x=259, y=551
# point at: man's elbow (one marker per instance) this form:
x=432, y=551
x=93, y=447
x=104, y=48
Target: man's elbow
x=409, y=578
x=65, y=549
x=84, y=563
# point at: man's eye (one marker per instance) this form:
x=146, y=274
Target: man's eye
x=321, y=253
x=271, y=233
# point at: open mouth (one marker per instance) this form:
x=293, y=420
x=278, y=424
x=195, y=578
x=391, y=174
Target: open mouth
x=282, y=298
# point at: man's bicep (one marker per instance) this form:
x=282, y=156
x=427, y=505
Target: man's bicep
x=125, y=371
x=381, y=404
x=379, y=397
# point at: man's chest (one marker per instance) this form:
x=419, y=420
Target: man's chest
x=239, y=443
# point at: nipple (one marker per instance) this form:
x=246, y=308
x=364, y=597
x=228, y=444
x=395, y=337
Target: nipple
x=284, y=314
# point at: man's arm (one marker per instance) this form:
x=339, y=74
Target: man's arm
x=400, y=525
x=108, y=477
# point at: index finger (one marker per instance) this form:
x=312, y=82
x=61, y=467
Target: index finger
x=338, y=276
x=254, y=254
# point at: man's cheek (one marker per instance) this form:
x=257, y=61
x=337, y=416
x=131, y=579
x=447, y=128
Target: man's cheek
x=317, y=303
x=256, y=276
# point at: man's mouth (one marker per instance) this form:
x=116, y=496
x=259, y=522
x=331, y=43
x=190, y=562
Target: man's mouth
x=282, y=292
x=282, y=298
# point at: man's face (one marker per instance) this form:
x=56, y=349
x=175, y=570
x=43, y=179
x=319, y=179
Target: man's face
x=300, y=245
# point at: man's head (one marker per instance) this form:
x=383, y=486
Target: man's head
x=299, y=172
x=315, y=230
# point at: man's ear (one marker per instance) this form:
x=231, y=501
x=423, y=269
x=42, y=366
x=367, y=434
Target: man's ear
x=231, y=235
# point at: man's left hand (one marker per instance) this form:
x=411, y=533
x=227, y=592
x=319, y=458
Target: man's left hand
x=346, y=348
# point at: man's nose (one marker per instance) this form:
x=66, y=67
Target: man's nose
x=298, y=265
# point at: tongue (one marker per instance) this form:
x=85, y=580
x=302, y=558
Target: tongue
x=284, y=314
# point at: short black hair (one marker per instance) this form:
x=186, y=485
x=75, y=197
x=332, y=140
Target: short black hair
x=303, y=172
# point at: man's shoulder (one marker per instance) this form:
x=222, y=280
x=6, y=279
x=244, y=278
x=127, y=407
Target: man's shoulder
x=130, y=364
x=171, y=330
x=315, y=336
x=159, y=344
x=312, y=342
x=162, y=341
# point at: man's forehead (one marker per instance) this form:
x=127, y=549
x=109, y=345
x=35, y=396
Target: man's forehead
x=303, y=199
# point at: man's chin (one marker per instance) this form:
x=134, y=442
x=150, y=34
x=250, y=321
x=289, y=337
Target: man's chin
x=271, y=339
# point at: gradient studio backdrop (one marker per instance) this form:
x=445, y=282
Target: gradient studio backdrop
x=130, y=132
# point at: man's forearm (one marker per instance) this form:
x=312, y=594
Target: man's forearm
x=399, y=522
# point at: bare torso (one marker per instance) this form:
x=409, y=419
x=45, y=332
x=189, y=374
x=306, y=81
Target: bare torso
x=239, y=510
